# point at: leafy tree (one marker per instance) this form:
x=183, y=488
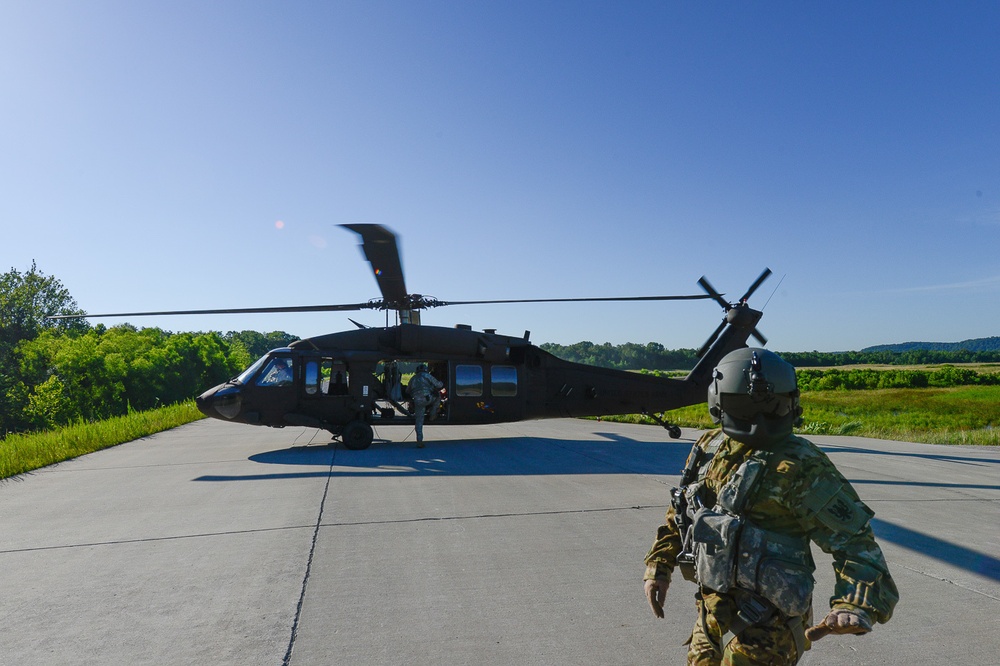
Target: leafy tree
x=49, y=404
x=239, y=356
x=257, y=344
x=104, y=372
x=26, y=299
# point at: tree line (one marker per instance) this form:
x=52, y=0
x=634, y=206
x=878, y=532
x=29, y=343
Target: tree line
x=628, y=356
x=58, y=371
x=653, y=356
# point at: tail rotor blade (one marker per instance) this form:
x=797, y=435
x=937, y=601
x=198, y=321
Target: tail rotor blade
x=711, y=291
x=711, y=339
x=759, y=281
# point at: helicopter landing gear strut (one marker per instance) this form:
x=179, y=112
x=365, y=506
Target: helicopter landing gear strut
x=357, y=435
x=673, y=430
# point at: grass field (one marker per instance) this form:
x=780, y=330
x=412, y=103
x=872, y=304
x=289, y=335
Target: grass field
x=960, y=415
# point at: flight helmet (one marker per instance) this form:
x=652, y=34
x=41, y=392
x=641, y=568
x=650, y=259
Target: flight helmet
x=754, y=395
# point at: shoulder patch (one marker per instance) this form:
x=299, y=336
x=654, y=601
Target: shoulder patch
x=831, y=504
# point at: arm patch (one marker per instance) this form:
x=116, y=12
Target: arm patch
x=831, y=504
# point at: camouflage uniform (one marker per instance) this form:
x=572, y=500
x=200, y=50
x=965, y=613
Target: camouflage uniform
x=799, y=497
x=424, y=389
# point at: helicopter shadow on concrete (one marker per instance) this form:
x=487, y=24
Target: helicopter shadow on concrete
x=927, y=545
x=949, y=458
x=962, y=460
x=526, y=456
x=503, y=456
x=921, y=542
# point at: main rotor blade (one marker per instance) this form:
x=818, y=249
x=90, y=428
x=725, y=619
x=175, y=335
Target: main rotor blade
x=290, y=308
x=370, y=305
x=691, y=297
x=382, y=252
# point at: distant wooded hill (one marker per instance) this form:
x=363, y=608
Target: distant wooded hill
x=653, y=356
x=974, y=345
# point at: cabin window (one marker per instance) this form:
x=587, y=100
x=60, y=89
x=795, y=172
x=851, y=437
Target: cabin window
x=469, y=381
x=335, y=375
x=504, y=380
x=312, y=378
x=325, y=377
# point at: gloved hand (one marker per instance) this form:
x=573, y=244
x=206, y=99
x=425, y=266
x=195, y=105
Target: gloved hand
x=656, y=592
x=840, y=621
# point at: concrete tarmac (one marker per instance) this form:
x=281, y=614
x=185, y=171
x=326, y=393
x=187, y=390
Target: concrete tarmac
x=509, y=544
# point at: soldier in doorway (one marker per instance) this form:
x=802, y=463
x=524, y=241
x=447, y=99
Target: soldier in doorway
x=425, y=390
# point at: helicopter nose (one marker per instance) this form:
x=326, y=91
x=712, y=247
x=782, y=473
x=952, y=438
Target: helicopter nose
x=220, y=402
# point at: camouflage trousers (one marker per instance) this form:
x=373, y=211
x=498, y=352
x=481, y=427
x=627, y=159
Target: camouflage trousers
x=770, y=643
x=420, y=404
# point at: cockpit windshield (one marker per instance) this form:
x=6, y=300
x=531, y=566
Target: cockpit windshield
x=249, y=372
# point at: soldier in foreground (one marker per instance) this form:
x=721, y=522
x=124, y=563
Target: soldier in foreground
x=752, y=497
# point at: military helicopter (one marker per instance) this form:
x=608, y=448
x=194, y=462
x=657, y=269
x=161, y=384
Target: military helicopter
x=350, y=381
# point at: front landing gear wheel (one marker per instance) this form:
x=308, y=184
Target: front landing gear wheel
x=357, y=435
x=674, y=432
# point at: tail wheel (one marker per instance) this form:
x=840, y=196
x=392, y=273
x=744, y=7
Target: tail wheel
x=357, y=435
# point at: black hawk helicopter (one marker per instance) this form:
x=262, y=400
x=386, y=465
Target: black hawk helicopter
x=348, y=382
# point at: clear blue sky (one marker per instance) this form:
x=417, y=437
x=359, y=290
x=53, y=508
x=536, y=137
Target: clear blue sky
x=166, y=155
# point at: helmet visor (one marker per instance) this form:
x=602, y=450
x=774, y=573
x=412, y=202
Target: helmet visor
x=746, y=407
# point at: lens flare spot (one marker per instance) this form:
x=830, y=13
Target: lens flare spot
x=279, y=225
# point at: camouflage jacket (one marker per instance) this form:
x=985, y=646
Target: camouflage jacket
x=801, y=495
x=423, y=384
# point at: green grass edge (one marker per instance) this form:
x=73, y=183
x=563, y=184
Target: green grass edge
x=22, y=453
x=964, y=415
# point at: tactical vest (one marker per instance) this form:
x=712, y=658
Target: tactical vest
x=728, y=551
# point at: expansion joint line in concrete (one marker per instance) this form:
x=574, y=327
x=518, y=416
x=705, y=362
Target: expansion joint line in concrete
x=947, y=581
x=305, y=579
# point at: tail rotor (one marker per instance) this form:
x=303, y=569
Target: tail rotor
x=730, y=308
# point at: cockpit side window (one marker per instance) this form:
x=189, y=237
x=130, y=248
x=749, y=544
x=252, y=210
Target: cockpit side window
x=277, y=373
